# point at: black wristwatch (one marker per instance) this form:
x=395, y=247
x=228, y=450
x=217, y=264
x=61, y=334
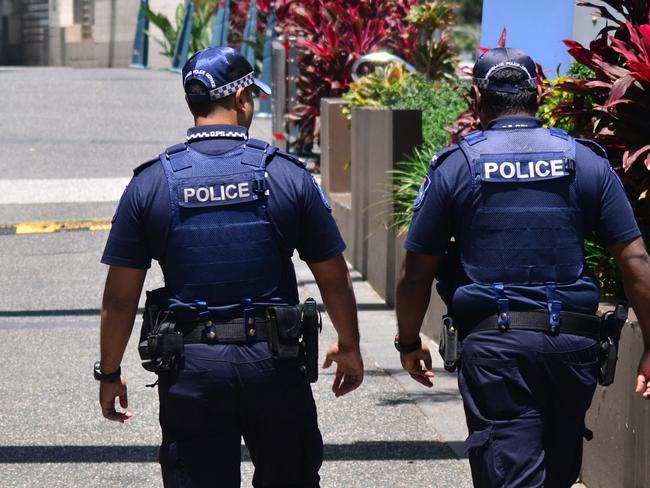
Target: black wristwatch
x=107, y=378
x=407, y=348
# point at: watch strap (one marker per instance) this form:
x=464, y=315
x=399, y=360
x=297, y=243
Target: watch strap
x=407, y=348
x=113, y=377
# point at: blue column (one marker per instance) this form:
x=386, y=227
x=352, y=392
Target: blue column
x=264, y=110
x=250, y=34
x=221, y=24
x=140, y=56
x=536, y=27
x=184, y=37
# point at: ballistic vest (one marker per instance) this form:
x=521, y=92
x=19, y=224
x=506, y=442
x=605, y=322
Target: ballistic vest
x=525, y=223
x=222, y=248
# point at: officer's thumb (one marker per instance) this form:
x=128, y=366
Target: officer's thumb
x=328, y=361
x=641, y=383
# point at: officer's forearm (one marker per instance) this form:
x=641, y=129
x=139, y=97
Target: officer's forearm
x=119, y=306
x=335, y=285
x=634, y=262
x=413, y=294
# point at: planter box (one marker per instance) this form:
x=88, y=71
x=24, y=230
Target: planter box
x=335, y=146
x=380, y=138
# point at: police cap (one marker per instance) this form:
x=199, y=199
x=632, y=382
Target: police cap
x=495, y=60
x=222, y=70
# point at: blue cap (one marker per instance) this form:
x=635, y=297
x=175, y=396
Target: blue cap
x=501, y=58
x=222, y=70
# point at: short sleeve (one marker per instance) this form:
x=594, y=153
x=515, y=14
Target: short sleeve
x=319, y=238
x=430, y=229
x=127, y=243
x=616, y=222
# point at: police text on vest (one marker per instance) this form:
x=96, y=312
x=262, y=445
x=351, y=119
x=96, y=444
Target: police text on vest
x=520, y=170
x=217, y=193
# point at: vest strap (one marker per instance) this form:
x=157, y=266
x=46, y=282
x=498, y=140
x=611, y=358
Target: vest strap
x=554, y=307
x=176, y=155
x=257, y=153
x=474, y=137
x=503, y=306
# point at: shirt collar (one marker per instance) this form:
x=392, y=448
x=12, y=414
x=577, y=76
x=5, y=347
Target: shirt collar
x=522, y=122
x=217, y=131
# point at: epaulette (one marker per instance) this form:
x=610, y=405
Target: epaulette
x=561, y=133
x=594, y=146
x=474, y=137
x=293, y=158
x=440, y=157
x=144, y=165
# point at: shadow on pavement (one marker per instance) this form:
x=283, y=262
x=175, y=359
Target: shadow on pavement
x=358, y=451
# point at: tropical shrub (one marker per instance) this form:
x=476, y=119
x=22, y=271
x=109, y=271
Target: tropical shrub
x=201, y=27
x=435, y=53
x=440, y=102
x=620, y=87
x=332, y=35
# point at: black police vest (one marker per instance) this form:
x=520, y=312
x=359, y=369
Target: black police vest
x=525, y=225
x=221, y=247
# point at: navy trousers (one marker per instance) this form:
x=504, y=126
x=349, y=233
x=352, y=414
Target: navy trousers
x=223, y=393
x=525, y=395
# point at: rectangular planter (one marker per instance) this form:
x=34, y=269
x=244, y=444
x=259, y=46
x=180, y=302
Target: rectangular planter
x=335, y=146
x=380, y=138
x=619, y=454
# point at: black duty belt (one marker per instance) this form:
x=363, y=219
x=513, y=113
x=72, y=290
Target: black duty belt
x=225, y=332
x=570, y=323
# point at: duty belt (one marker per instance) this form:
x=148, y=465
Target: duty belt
x=225, y=332
x=570, y=323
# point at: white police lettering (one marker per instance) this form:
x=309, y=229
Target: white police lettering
x=523, y=170
x=217, y=193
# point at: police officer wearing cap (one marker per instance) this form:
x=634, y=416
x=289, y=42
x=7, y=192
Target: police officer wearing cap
x=516, y=200
x=222, y=214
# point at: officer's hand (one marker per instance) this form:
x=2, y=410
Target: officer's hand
x=643, y=378
x=418, y=365
x=107, y=394
x=349, y=368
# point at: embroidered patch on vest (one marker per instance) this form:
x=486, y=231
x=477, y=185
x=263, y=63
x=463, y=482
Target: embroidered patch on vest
x=422, y=192
x=522, y=168
x=322, y=194
x=210, y=193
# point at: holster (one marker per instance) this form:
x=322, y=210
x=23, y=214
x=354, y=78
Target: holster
x=449, y=344
x=293, y=335
x=611, y=327
x=160, y=346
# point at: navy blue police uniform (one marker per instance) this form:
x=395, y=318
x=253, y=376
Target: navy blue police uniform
x=223, y=214
x=518, y=201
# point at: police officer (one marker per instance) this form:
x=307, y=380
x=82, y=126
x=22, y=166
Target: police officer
x=222, y=214
x=518, y=200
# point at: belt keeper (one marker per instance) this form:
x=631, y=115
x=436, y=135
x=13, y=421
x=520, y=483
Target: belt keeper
x=249, y=319
x=554, y=309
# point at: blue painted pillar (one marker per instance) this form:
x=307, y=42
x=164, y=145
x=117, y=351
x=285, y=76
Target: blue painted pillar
x=140, y=55
x=184, y=37
x=221, y=24
x=536, y=27
x=250, y=34
x=267, y=65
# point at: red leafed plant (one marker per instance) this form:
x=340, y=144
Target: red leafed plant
x=620, y=90
x=332, y=35
x=239, y=15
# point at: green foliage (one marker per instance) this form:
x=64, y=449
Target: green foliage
x=470, y=11
x=376, y=89
x=435, y=53
x=440, y=102
x=201, y=27
x=604, y=267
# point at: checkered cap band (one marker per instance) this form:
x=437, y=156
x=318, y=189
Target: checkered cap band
x=232, y=87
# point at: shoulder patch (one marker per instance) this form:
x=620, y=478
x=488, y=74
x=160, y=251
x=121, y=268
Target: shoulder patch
x=422, y=192
x=594, y=146
x=440, y=157
x=294, y=159
x=144, y=165
x=323, y=198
